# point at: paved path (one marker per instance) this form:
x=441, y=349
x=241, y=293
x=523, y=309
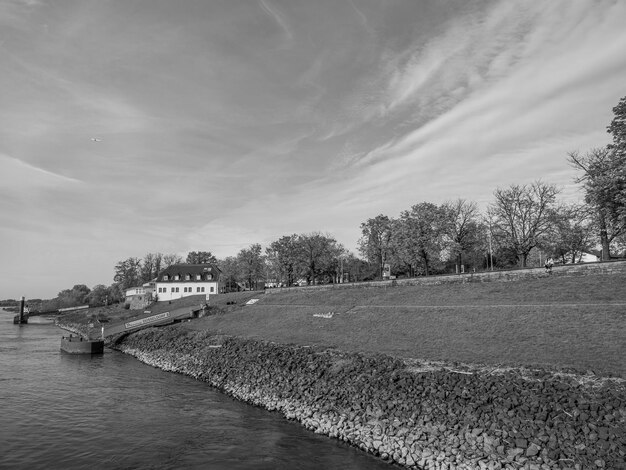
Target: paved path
x=556, y=304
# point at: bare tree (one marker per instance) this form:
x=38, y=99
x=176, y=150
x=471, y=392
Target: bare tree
x=150, y=266
x=171, y=259
x=251, y=264
x=604, y=181
x=200, y=257
x=571, y=233
x=521, y=216
x=462, y=227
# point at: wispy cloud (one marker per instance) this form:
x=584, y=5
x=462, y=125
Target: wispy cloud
x=362, y=17
x=19, y=176
x=222, y=125
x=274, y=13
x=15, y=13
x=524, y=74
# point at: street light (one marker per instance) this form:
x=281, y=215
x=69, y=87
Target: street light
x=490, y=248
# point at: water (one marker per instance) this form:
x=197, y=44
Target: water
x=113, y=412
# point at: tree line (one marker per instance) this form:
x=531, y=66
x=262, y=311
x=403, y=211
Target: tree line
x=520, y=221
x=522, y=226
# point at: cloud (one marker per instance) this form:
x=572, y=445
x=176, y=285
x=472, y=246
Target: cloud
x=17, y=176
x=362, y=17
x=275, y=14
x=213, y=138
x=14, y=13
x=554, y=72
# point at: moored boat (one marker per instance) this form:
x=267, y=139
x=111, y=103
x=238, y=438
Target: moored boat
x=78, y=345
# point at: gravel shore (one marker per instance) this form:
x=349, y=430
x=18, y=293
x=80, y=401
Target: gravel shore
x=415, y=414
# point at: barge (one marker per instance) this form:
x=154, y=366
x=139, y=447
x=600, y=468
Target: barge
x=77, y=345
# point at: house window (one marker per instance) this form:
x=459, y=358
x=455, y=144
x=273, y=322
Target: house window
x=212, y=289
x=209, y=277
x=198, y=277
x=177, y=289
x=187, y=277
x=197, y=289
x=177, y=277
x=166, y=278
x=203, y=289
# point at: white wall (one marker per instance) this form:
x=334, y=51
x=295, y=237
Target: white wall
x=185, y=289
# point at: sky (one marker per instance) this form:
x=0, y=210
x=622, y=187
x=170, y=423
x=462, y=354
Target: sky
x=140, y=126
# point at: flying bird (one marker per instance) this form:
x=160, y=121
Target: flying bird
x=95, y=139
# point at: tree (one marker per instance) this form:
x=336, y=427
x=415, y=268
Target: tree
x=570, y=234
x=462, y=228
x=99, y=295
x=356, y=269
x=282, y=257
x=375, y=244
x=171, y=259
x=617, y=128
x=77, y=295
x=117, y=294
x=150, y=266
x=251, y=264
x=200, y=257
x=604, y=182
x=420, y=237
x=128, y=273
x=319, y=254
x=520, y=216
x=229, y=267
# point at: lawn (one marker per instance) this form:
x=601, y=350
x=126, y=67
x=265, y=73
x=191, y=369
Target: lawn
x=559, y=323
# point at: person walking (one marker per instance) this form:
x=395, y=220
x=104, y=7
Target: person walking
x=548, y=265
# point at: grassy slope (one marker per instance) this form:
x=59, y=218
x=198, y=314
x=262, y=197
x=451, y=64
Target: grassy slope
x=557, y=322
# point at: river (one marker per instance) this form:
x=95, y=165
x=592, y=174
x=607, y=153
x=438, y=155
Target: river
x=111, y=411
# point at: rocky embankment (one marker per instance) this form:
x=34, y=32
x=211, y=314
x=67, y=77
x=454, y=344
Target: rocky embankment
x=404, y=412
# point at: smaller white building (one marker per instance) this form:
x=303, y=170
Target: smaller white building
x=140, y=296
x=183, y=280
x=136, y=291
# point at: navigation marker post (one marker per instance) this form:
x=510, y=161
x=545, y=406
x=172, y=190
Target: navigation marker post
x=21, y=319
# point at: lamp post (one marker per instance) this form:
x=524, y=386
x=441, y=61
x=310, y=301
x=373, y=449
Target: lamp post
x=490, y=250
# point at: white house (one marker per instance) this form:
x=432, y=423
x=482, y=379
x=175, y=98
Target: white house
x=183, y=280
x=140, y=296
x=137, y=291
